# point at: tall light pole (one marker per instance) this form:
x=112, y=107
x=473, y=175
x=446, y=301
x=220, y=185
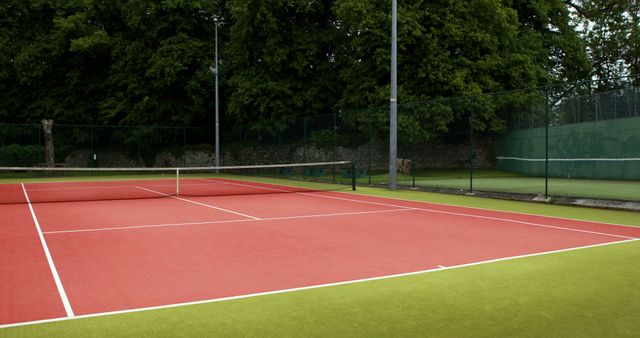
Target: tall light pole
x=393, y=115
x=215, y=20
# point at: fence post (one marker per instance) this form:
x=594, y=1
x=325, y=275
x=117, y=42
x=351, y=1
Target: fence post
x=546, y=142
x=280, y=153
x=353, y=176
x=138, y=139
x=93, y=151
x=635, y=102
x=304, y=139
x=184, y=146
x=335, y=144
x=304, y=144
x=370, y=120
x=471, y=146
x=40, y=146
x=413, y=146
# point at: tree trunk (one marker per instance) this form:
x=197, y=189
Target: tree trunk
x=49, y=158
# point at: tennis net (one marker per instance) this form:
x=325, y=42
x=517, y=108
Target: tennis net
x=36, y=184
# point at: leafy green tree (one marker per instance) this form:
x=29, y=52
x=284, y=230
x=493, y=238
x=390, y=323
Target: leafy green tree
x=114, y=62
x=29, y=74
x=454, y=48
x=281, y=62
x=162, y=53
x=611, y=31
x=558, y=46
x=147, y=62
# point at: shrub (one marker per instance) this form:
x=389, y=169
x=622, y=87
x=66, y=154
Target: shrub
x=15, y=155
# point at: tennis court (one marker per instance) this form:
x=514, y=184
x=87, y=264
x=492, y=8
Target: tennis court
x=141, y=246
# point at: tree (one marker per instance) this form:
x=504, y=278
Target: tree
x=27, y=60
x=144, y=62
x=110, y=62
x=611, y=31
x=281, y=62
x=162, y=59
x=455, y=48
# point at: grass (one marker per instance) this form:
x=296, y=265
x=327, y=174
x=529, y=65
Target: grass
x=496, y=181
x=588, y=292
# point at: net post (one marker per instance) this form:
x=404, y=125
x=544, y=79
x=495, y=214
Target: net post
x=177, y=182
x=353, y=176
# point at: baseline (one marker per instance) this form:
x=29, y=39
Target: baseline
x=283, y=291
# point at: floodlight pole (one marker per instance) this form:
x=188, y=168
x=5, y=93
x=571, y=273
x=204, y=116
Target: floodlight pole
x=215, y=19
x=393, y=116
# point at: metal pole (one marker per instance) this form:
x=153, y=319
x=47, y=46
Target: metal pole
x=335, y=145
x=304, y=139
x=414, y=126
x=217, y=105
x=93, y=152
x=184, y=145
x=393, y=116
x=177, y=182
x=546, y=143
x=472, y=147
x=304, y=145
x=370, y=119
x=353, y=176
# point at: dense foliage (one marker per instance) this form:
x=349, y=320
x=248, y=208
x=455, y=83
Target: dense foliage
x=149, y=62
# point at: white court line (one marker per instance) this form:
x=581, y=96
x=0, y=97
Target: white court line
x=439, y=211
x=259, y=294
x=200, y=204
x=224, y=222
x=476, y=216
x=52, y=266
x=499, y=210
x=424, y=202
x=415, y=201
x=34, y=189
x=133, y=227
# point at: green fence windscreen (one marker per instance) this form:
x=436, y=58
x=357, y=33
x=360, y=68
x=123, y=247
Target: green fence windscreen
x=606, y=149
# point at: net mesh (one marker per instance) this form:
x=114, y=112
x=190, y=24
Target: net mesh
x=38, y=185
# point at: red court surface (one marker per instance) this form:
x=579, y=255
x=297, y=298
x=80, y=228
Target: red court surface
x=121, y=255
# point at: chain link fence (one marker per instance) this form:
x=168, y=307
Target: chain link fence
x=106, y=146
x=567, y=140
